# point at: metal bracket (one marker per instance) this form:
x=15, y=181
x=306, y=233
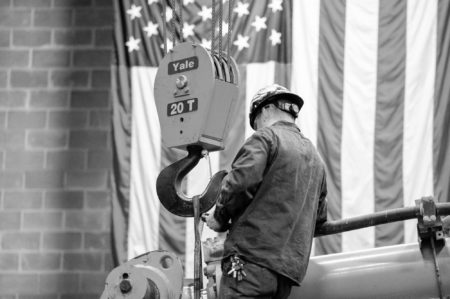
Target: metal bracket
x=429, y=224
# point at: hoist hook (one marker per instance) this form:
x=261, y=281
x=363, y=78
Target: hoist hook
x=168, y=185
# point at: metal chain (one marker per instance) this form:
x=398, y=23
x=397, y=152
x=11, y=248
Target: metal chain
x=172, y=23
x=220, y=30
x=164, y=25
x=181, y=21
x=213, y=26
x=230, y=7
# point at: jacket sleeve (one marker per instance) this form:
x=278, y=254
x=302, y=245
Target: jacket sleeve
x=322, y=209
x=246, y=174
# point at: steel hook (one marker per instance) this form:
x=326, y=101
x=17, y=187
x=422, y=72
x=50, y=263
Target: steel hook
x=169, y=190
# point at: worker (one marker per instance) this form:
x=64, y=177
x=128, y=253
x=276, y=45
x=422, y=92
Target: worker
x=271, y=201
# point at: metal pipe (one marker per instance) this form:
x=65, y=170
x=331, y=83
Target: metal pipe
x=400, y=271
x=339, y=226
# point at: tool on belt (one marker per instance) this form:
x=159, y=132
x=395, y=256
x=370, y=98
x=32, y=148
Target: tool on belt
x=237, y=268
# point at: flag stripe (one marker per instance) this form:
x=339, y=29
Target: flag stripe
x=305, y=58
x=121, y=161
x=145, y=149
x=360, y=70
x=389, y=117
x=418, y=114
x=330, y=95
x=441, y=146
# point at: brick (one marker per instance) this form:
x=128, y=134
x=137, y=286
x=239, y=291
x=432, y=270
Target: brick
x=49, y=98
x=61, y=240
x=53, y=18
x=93, y=282
x=73, y=3
x=5, y=3
x=9, y=261
x=88, y=139
x=107, y=3
x=57, y=282
x=44, y=179
x=12, y=99
x=26, y=119
x=40, y=261
x=100, y=159
x=11, y=179
x=86, y=179
x=22, y=240
x=73, y=37
x=68, y=119
x=31, y=37
x=38, y=296
x=73, y=159
x=98, y=199
x=18, y=283
x=42, y=220
x=94, y=241
x=51, y=58
x=90, y=99
x=86, y=261
x=109, y=262
x=101, y=78
x=66, y=200
x=22, y=200
x=32, y=4
x=100, y=119
x=9, y=220
x=94, y=17
x=29, y=79
x=15, y=18
x=104, y=37
x=12, y=139
x=3, y=78
x=47, y=139
x=85, y=220
x=14, y=58
x=5, y=38
x=92, y=58
x=2, y=120
x=76, y=296
x=24, y=160
x=71, y=78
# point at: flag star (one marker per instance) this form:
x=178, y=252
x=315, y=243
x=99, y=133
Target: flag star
x=206, y=43
x=241, y=42
x=168, y=14
x=188, y=29
x=241, y=9
x=169, y=45
x=224, y=28
x=205, y=13
x=134, y=11
x=132, y=44
x=275, y=37
x=259, y=23
x=276, y=5
x=151, y=29
x=150, y=2
x=186, y=2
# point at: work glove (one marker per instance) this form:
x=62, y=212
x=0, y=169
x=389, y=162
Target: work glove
x=212, y=222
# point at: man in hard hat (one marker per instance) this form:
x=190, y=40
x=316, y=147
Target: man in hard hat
x=271, y=201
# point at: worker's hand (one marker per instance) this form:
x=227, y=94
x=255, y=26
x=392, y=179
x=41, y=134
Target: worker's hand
x=212, y=223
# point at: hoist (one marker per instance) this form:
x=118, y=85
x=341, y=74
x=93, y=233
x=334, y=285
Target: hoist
x=195, y=90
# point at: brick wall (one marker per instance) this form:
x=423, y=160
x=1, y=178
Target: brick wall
x=55, y=153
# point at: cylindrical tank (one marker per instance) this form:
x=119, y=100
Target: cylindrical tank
x=401, y=271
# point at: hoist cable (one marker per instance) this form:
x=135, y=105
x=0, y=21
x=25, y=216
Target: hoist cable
x=213, y=26
x=220, y=29
x=164, y=26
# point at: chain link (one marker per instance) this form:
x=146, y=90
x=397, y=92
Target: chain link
x=172, y=23
x=220, y=30
x=230, y=7
x=164, y=25
x=213, y=26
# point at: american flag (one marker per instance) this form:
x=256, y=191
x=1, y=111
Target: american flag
x=375, y=77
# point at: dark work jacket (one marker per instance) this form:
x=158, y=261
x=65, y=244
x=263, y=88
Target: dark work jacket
x=273, y=196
